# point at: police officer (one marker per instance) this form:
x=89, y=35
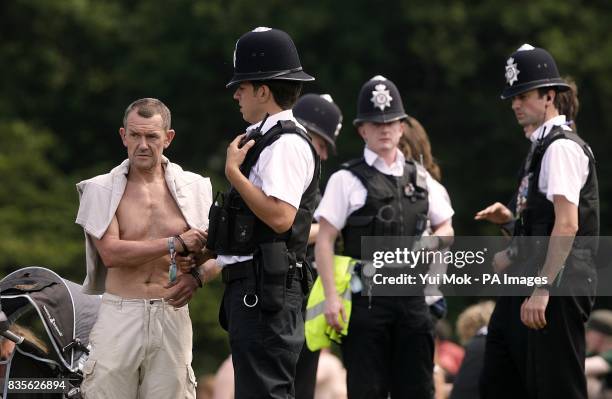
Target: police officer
x=389, y=348
x=323, y=120
x=259, y=228
x=536, y=344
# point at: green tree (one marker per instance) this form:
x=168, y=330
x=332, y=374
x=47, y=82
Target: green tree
x=70, y=67
x=37, y=207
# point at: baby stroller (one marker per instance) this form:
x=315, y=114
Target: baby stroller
x=67, y=316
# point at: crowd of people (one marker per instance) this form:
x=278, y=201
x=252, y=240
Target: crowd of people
x=155, y=234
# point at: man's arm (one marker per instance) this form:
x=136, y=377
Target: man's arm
x=560, y=244
x=181, y=291
x=116, y=252
x=277, y=214
x=440, y=212
x=324, y=255
x=562, y=236
x=445, y=232
x=312, y=236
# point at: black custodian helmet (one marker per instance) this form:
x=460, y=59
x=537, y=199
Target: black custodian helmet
x=529, y=68
x=379, y=101
x=264, y=54
x=320, y=115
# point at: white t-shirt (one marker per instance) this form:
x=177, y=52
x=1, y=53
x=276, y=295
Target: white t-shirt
x=283, y=170
x=345, y=193
x=565, y=166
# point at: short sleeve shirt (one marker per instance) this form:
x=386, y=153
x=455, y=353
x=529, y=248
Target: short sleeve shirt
x=344, y=193
x=565, y=166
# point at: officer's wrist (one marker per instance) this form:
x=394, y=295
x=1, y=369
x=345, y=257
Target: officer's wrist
x=232, y=173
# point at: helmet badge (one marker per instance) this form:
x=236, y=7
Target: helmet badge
x=511, y=71
x=381, y=97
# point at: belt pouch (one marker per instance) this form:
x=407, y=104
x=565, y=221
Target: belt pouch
x=217, y=228
x=309, y=275
x=273, y=262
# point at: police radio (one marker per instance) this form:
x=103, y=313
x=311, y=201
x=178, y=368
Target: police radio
x=253, y=134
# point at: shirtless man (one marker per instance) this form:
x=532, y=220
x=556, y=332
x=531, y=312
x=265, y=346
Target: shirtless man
x=135, y=218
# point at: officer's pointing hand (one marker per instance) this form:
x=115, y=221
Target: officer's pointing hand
x=334, y=308
x=497, y=213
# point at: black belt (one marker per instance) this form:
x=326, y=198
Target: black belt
x=238, y=271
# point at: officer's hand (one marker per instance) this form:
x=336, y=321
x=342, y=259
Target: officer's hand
x=185, y=263
x=194, y=240
x=181, y=291
x=235, y=156
x=533, y=309
x=497, y=213
x=203, y=256
x=211, y=270
x=501, y=261
x=333, y=309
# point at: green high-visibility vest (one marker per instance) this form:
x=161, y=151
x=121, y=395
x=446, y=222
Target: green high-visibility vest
x=318, y=333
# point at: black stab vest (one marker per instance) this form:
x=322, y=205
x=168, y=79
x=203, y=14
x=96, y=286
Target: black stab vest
x=394, y=206
x=234, y=228
x=538, y=216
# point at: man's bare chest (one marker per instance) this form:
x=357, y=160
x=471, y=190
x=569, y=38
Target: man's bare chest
x=148, y=212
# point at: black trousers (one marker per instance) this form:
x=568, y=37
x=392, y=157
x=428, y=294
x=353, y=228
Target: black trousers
x=389, y=349
x=265, y=345
x=536, y=364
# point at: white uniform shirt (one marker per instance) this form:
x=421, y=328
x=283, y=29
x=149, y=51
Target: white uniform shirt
x=565, y=166
x=345, y=193
x=284, y=170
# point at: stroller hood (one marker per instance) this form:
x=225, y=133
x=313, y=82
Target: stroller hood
x=67, y=314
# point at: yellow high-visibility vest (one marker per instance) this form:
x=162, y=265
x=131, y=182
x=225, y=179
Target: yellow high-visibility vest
x=318, y=333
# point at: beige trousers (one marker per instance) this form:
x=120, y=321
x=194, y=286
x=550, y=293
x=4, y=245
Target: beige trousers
x=141, y=349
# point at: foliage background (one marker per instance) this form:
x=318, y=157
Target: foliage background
x=70, y=67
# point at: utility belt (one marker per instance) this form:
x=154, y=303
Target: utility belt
x=269, y=274
x=363, y=281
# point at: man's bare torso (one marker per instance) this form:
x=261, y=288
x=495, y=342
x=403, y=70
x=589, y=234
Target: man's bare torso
x=147, y=211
